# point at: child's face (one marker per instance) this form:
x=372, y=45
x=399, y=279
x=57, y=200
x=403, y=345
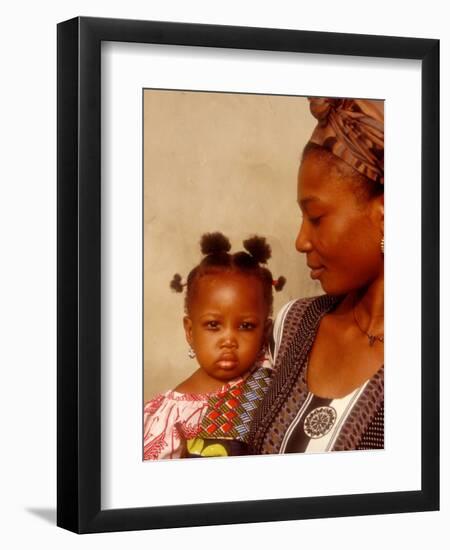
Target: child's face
x=227, y=323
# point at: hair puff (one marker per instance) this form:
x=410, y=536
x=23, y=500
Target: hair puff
x=279, y=283
x=214, y=243
x=176, y=284
x=258, y=248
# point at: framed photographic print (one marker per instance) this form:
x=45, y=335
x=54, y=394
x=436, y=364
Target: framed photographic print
x=190, y=324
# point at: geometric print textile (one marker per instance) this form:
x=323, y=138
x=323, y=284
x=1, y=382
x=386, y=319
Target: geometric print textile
x=229, y=414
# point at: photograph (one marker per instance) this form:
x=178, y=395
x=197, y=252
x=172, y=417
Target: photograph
x=199, y=261
x=263, y=260
x=221, y=267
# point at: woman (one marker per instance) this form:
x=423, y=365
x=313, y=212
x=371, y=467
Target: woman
x=328, y=391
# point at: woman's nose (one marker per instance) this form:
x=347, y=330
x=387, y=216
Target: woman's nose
x=303, y=243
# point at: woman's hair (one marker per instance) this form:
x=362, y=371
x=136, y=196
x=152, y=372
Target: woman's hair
x=363, y=187
x=351, y=129
x=218, y=260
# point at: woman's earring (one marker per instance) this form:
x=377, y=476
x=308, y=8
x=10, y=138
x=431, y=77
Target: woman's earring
x=191, y=353
x=382, y=245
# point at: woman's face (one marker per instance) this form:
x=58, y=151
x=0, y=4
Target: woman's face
x=340, y=231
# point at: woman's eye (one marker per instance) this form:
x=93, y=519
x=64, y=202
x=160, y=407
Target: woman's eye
x=314, y=221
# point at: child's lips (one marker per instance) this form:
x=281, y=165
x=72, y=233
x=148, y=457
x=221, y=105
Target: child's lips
x=227, y=361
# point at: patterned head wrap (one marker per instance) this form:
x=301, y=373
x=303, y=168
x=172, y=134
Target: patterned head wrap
x=353, y=130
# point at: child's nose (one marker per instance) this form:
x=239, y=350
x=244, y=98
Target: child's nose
x=229, y=339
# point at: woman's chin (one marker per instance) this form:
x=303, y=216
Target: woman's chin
x=334, y=293
x=332, y=289
x=326, y=287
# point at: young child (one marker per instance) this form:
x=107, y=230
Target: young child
x=228, y=304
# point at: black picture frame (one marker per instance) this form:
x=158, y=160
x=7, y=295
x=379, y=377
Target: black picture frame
x=79, y=274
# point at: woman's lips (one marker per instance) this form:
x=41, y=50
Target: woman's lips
x=316, y=272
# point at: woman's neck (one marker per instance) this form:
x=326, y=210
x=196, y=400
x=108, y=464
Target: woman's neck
x=368, y=305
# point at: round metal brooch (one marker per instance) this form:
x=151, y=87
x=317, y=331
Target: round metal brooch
x=319, y=422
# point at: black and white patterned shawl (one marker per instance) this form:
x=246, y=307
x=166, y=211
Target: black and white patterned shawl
x=363, y=428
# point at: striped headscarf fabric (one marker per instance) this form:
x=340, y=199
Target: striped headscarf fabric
x=353, y=130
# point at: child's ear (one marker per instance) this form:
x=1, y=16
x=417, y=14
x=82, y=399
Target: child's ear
x=188, y=329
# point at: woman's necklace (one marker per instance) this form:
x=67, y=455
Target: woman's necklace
x=372, y=337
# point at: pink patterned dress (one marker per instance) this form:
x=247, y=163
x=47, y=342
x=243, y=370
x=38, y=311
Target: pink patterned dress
x=171, y=417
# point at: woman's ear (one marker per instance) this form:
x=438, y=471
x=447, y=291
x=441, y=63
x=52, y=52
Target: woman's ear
x=376, y=212
x=187, y=322
x=382, y=211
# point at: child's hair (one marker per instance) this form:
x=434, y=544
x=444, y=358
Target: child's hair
x=217, y=259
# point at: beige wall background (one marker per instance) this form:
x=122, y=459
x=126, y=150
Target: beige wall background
x=215, y=162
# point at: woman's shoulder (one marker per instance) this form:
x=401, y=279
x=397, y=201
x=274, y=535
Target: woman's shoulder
x=298, y=306
x=291, y=314
x=320, y=302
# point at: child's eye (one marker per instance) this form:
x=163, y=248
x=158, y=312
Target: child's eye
x=212, y=325
x=247, y=326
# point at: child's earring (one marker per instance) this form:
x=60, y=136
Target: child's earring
x=262, y=353
x=191, y=353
